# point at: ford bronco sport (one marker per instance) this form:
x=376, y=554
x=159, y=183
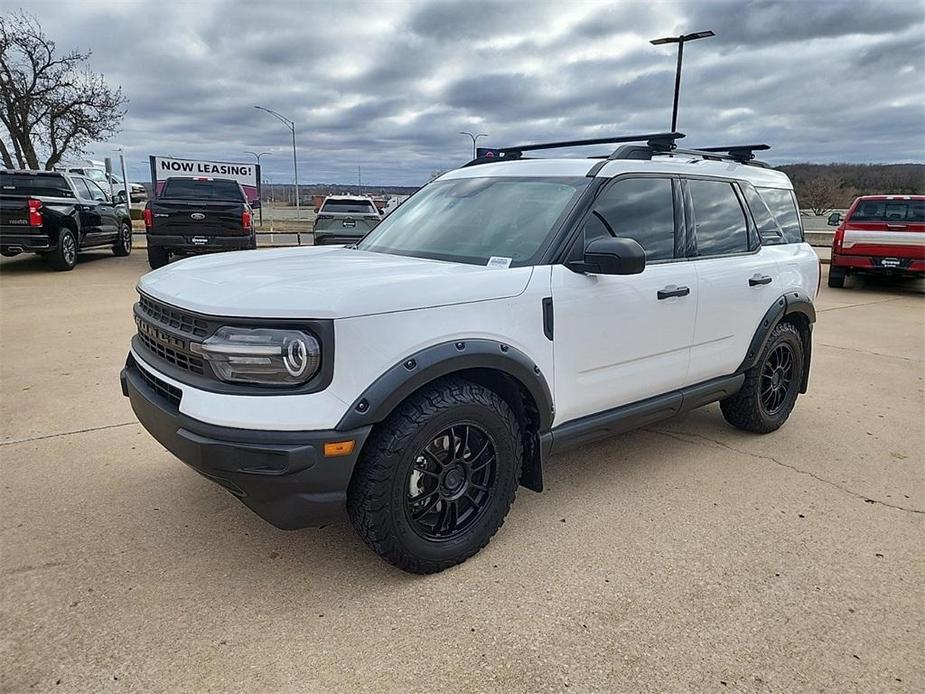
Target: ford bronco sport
x=510, y=309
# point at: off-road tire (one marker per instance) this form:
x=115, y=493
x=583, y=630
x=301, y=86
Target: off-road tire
x=837, y=277
x=377, y=495
x=64, y=257
x=123, y=245
x=158, y=257
x=745, y=410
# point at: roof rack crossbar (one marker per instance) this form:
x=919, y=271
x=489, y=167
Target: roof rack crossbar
x=739, y=153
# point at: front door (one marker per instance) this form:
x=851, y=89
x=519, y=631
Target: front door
x=620, y=339
x=106, y=210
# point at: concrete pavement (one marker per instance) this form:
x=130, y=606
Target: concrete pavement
x=689, y=556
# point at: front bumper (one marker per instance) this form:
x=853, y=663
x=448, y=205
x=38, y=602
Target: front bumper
x=283, y=476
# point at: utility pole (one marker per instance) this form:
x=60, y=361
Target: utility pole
x=680, y=40
x=295, y=162
x=257, y=156
x=474, y=138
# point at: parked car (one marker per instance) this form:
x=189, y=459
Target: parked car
x=199, y=215
x=880, y=234
x=345, y=219
x=58, y=215
x=96, y=172
x=509, y=310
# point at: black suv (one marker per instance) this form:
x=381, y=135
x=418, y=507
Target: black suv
x=57, y=215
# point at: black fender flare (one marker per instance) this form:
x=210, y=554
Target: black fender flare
x=418, y=369
x=793, y=302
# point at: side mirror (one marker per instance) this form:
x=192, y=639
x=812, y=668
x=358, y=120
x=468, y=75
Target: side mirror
x=611, y=256
x=834, y=219
x=119, y=197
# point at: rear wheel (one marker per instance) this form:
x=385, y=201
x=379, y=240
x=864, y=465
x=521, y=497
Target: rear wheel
x=64, y=257
x=123, y=245
x=158, y=257
x=837, y=277
x=771, y=386
x=437, y=478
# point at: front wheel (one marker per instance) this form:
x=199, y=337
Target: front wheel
x=158, y=257
x=437, y=478
x=123, y=245
x=771, y=386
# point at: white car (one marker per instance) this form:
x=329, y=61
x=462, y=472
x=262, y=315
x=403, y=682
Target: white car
x=507, y=311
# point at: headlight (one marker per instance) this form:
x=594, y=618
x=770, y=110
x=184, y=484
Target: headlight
x=261, y=355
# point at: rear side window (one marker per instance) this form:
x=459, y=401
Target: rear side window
x=768, y=228
x=783, y=205
x=348, y=206
x=721, y=227
x=24, y=184
x=641, y=209
x=204, y=189
x=82, y=188
x=889, y=211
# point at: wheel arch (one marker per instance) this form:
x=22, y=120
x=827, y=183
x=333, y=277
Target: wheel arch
x=502, y=368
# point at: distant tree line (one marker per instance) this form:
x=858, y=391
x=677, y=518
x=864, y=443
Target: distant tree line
x=823, y=187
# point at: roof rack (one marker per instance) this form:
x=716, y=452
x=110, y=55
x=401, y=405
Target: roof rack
x=654, y=142
x=741, y=154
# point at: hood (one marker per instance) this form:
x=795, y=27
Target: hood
x=324, y=282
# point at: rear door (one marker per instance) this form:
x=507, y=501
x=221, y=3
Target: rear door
x=620, y=339
x=737, y=280
x=890, y=231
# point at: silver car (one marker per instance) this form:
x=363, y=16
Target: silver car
x=345, y=219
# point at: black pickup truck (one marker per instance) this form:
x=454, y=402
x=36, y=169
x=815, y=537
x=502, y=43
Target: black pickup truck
x=59, y=214
x=198, y=215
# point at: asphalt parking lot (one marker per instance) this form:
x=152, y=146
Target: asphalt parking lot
x=689, y=556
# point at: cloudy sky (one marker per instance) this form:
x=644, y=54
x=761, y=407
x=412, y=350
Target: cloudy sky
x=388, y=85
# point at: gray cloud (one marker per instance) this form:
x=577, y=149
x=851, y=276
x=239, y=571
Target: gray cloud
x=388, y=85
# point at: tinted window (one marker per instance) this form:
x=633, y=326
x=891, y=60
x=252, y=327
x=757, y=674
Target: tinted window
x=889, y=211
x=202, y=189
x=80, y=185
x=768, y=229
x=348, y=206
x=718, y=218
x=472, y=219
x=26, y=184
x=783, y=206
x=641, y=209
x=96, y=193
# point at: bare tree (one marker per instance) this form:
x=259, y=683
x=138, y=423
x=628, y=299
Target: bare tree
x=819, y=193
x=49, y=103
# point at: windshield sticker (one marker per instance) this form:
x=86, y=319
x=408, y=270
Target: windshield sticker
x=498, y=262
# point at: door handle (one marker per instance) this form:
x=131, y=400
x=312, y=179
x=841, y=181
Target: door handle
x=896, y=227
x=758, y=280
x=671, y=290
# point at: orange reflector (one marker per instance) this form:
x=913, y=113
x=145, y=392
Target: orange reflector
x=336, y=448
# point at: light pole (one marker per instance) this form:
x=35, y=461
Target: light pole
x=680, y=40
x=295, y=162
x=474, y=138
x=257, y=156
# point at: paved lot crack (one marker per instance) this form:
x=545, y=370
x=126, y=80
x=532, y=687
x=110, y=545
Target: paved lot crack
x=861, y=305
x=867, y=351
x=706, y=441
x=66, y=433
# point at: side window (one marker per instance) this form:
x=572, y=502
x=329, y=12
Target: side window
x=783, y=206
x=768, y=229
x=80, y=186
x=721, y=227
x=641, y=209
x=96, y=193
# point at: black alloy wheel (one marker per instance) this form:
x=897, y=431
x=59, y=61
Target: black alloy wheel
x=451, y=482
x=776, y=378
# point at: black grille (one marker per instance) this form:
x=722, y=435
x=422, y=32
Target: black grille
x=170, y=393
x=173, y=318
x=178, y=358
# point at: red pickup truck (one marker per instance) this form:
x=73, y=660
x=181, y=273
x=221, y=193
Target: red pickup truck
x=882, y=234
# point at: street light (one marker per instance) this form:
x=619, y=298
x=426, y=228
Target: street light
x=295, y=162
x=680, y=40
x=257, y=156
x=474, y=139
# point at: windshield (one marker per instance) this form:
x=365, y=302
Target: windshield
x=889, y=211
x=348, y=206
x=201, y=189
x=470, y=220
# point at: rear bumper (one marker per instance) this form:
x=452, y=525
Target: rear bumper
x=282, y=476
x=28, y=242
x=203, y=244
x=324, y=238
x=879, y=264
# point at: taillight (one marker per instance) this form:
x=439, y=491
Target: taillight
x=839, y=237
x=35, y=217
x=149, y=218
x=246, y=218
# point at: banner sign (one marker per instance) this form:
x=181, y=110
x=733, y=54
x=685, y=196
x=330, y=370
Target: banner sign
x=248, y=175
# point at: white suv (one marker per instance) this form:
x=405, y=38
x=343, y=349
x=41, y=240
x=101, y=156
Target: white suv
x=508, y=310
